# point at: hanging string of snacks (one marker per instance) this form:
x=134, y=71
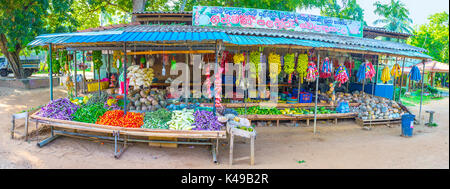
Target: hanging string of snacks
x=385, y=75
x=289, y=65
x=341, y=75
x=173, y=63
x=218, y=87
x=311, y=72
x=274, y=65
x=302, y=66
x=326, y=69
x=255, y=59
x=349, y=65
x=208, y=81
x=335, y=63
x=395, y=71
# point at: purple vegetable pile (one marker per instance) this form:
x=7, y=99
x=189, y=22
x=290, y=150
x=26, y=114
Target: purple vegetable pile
x=59, y=109
x=205, y=120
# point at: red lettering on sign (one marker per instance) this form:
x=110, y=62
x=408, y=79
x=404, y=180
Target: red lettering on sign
x=235, y=19
x=269, y=23
x=215, y=19
x=261, y=22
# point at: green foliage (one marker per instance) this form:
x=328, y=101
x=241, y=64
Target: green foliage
x=394, y=15
x=283, y=5
x=350, y=9
x=433, y=36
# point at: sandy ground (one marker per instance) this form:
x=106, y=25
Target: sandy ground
x=345, y=145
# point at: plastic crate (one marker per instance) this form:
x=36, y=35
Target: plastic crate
x=305, y=97
x=93, y=86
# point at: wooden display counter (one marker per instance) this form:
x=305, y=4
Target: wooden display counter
x=125, y=135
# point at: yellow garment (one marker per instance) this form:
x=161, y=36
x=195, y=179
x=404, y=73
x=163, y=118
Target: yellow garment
x=395, y=71
x=385, y=76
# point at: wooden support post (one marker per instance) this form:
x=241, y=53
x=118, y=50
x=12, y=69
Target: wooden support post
x=278, y=123
x=307, y=122
x=252, y=150
x=231, y=148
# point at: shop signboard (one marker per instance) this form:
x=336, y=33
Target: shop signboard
x=271, y=19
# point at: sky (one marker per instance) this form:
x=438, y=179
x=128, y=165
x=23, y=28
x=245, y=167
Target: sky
x=419, y=10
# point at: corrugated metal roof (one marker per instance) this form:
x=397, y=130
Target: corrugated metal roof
x=239, y=36
x=280, y=33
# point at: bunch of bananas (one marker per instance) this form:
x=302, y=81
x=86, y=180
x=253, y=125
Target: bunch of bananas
x=255, y=59
x=302, y=66
x=274, y=65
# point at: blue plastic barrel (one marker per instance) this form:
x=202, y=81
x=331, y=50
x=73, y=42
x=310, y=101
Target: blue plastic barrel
x=407, y=124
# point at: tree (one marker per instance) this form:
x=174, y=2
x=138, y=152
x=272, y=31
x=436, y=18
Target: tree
x=283, y=5
x=395, y=16
x=433, y=36
x=22, y=20
x=350, y=9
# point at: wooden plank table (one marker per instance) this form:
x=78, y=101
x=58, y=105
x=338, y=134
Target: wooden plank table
x=306, y=117
x=125, y=135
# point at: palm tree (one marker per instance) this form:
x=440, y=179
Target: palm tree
x=350, y=9
x=395, y=16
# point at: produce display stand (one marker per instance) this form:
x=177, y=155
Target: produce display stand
x=299, y=117
x=123, y=136
x=387, y=122
x=278, y=105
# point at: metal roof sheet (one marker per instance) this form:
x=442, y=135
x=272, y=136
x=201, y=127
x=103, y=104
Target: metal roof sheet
x=239, y=36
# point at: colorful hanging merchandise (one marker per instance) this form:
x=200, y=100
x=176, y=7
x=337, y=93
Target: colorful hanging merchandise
x=218, y=87
x=289, y=65
x=349, y=65
x=414, y=74
x=326, y=69
x=385, y=75
x=341, y=75
x=255, y=59
x=365, y=71
x=302, y=66
x=274, y=65
x=395, y=71
x=117, y=62
x=238, y=59
x=311, y=73
x=173, y=63
x=208, y=81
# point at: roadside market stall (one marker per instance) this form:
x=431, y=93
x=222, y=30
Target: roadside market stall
x=280, y=74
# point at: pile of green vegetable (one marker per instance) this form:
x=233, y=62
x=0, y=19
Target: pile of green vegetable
x=258, y=110
x=157, y=119
x=89, y=113
x=97, y=98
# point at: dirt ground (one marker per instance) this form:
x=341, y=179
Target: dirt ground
x=345, y=145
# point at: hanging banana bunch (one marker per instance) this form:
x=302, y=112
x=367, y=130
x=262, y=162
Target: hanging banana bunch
x=238, y=58
x=274, y=65
x=289, y=65
x=255, y=59
x=302, y=66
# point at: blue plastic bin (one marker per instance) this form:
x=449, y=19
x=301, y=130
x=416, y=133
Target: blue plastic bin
x=407, y=124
